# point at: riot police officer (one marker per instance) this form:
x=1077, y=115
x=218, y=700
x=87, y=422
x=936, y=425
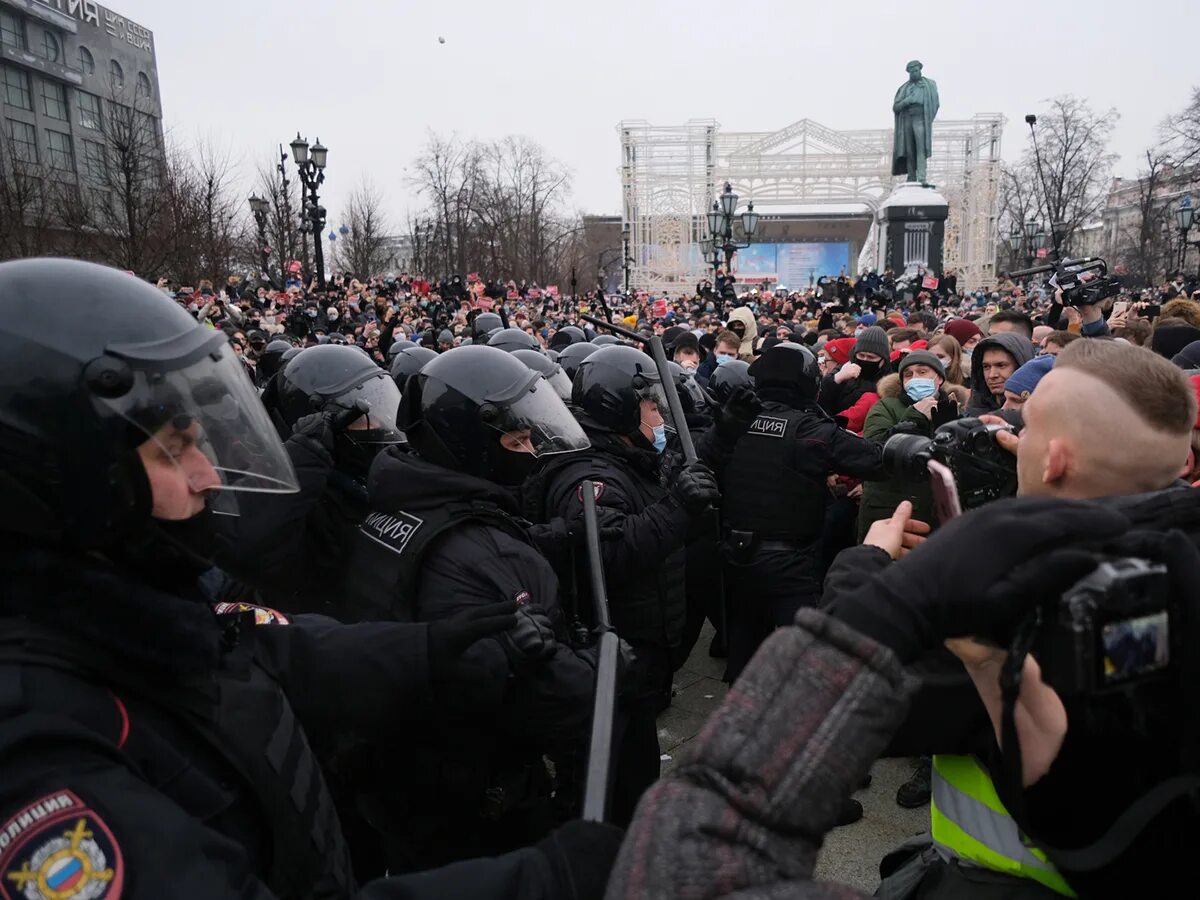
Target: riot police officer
x=571, y=356
x=774, y=496
x=148, y=747
x=337, y=409
x=548, y=369
x=408, y=361
x=510, y=339
x=619, y=399
x=443, y=535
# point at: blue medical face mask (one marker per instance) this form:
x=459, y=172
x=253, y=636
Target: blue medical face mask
x=660, y=437
x=721, y=360
x=920, y=388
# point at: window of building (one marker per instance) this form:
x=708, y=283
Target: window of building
x=58, y=146
x=12, y=30
x=16, y=88
x=49, y=48
x=117, y=75
x=87, y=62
x=23, y=138
x=89, y=111
x=144, y=91
x=95, y=162
x=54, y=100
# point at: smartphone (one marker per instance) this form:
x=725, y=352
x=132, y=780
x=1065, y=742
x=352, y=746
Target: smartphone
x=1119, y=307
x=946, y=505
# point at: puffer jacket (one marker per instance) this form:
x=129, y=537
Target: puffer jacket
x=746, y=317
x=880, y=498
x=1018, y=346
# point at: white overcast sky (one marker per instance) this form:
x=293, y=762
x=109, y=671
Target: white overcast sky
x=369, y=78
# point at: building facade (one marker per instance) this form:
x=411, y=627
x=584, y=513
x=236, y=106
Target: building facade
x=70, y=70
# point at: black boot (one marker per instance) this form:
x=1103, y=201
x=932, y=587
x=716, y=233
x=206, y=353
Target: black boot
x=915, y=792
x=850, y=812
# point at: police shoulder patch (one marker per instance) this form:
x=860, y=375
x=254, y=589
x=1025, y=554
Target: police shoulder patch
x=392, y=531
x=263, y=615
x=597, y=490
x=522, y=598
x=58, y=848
x=769, y=426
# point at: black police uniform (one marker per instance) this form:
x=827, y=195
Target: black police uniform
x=773, y=508
x=154, y=749
x=437, y=542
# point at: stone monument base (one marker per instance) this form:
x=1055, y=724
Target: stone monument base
x=910, y=228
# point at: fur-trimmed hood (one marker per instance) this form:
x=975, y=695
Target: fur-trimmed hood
x=888, y=387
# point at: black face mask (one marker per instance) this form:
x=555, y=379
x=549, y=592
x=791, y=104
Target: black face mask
x=870, y=369
x=171, y=555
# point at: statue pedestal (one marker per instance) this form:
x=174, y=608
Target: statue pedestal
x=909, y=230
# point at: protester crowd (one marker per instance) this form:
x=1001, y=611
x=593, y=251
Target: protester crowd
x=298, y=602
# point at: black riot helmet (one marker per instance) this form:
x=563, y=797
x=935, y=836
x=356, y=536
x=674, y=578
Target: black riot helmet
x=408, y=361
x=485, y=323
x=724, y=379
x=548, y=369
x=272, y=358
x=604, y=340
x=610, y=386
x=510, y=339
x=691, y=395
x=570, y=357
x=97, y=367
x=789, y=366
x=461, y=409
x=567, y=336
x=397, y=346
x=343, y=380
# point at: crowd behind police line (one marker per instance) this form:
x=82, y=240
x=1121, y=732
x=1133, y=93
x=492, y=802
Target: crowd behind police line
x=335, y=635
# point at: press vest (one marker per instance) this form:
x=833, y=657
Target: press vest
x=969, y=822
x=247, y=733
x=764, y=492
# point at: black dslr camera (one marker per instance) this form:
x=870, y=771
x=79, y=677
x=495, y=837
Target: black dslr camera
x=983, y=470
x=1112, y=629
x=1083, y=281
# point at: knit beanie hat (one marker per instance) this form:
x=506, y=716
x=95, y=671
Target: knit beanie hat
x=962, y=330
x=1171, y=340
x=1188, y=357
x=839, y=350
x=1195, y=380
x=873, y=340
x=868, y=319
x=921, y=358
x=1026, y=378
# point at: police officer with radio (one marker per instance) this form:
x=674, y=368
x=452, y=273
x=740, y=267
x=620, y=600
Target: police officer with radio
x=336, y=409
x=775, y=493
x=444, y=535
x=153, y=744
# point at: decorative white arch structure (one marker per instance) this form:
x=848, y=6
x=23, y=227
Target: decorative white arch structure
x=670, y=175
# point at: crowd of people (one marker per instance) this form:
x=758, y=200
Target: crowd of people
x=297, y=597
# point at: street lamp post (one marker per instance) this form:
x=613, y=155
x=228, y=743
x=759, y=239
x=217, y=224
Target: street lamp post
x=626, y=263
x=310, y=162
x=1185, y=216
x=720, y=227
x=260, y=209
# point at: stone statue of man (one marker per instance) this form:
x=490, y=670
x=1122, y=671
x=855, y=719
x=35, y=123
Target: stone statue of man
x=915, y=106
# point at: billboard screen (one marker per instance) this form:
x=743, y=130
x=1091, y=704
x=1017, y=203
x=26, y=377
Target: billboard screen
x=792, y=264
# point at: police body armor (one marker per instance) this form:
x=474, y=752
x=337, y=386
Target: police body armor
x=766, y=496
x=388, y=550
x=248, y=732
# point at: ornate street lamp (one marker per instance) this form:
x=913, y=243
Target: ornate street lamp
x=310, y=162
x=260, y=209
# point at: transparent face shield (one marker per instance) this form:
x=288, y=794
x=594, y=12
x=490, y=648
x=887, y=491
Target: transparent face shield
x=368, y=414
x=541, y=413
x=653, y=391
x=561, y=384
x=191, y=398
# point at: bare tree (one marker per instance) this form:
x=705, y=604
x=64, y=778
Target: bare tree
x=1140, y=243
x=448, y=173
x=26, y=210
x=1075, y=162
x=1181, y=133
x=283, y=196
x=362, y=250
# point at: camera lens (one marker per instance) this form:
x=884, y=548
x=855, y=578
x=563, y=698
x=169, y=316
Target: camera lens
x=907, y=455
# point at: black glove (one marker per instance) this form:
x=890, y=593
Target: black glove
x=531, y=638
x=695, y=488
x=561, y=534
x=737, y=414
x=972, y=577
x=315, y=432
x=582, y=856
x=449, y=638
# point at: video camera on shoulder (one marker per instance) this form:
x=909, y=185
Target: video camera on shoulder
x=966, y=467
x=1110, y=630
x=1083, y=282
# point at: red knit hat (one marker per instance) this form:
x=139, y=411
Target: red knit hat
x=1195, y=380
x=839, y=350
x=962, y=330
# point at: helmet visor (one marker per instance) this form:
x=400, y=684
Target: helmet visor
x=206, y=418
x=561, y=384
x=369, y=412
x=544, y=418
